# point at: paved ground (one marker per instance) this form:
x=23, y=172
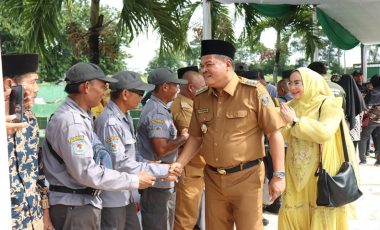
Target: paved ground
x=367, y=207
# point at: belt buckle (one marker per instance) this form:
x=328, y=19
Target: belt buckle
x=96, y=192
x=221, y=171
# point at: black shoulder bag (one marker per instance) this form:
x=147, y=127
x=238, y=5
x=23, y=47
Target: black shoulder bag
x=341, y=189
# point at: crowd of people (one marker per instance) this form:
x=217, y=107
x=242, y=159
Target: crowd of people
x=205, y=131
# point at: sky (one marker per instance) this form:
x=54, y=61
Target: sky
x=143, y=47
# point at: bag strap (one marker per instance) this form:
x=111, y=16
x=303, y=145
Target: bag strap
x=345, y=152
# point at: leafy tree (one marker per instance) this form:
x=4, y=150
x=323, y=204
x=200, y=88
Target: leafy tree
x=71, y=42
x=299, y=22
x=40, y=21
x=170, y=61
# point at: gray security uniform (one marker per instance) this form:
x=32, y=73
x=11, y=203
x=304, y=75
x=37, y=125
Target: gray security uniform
x=158, y=202
x=116, y=132
x=70, y=134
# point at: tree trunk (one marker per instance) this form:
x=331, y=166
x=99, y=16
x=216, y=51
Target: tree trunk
x=277, y=57
x=93, y=40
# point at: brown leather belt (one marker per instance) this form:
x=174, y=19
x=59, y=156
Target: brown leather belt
x=224, y=171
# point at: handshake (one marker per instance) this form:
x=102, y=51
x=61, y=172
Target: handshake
x=146, y=180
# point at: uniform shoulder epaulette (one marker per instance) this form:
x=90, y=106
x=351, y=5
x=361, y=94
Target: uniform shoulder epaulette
x=201, y=90
x=249, y=82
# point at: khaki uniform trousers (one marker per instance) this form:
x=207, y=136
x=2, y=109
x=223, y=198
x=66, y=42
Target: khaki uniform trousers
x=235, y=198
x=188, y=198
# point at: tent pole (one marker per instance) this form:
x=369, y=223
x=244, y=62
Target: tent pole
x=5, y=199
x=364, y=53
x=206, y=34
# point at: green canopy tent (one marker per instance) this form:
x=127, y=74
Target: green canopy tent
x=345, y=22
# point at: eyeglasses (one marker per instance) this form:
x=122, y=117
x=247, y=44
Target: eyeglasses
x=138, y=92
x=296, y=83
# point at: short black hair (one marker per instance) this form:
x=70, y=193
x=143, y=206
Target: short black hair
x=72, y=88
x=357, y=73
x=318, y=67
x=375, y=80
x=116, y=94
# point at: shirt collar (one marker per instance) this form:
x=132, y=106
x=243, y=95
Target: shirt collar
x=71, y=103
x=231, y=86
x=116, y=110
x=160, y=102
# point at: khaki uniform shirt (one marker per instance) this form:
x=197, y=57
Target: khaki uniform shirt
x=232, y=124
x=182, y=109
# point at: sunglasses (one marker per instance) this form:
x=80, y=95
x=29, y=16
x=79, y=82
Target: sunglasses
x=138, y=92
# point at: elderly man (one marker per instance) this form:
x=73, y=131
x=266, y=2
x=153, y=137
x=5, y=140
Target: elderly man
x=115, y=129
x=29, y=201
x=228, y=123
x=157, y=140
x=191, y=185
x=70, y=152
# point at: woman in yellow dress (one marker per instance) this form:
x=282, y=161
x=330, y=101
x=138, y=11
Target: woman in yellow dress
x=305, y=131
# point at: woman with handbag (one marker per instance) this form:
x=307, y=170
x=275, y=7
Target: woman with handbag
x=314, y=117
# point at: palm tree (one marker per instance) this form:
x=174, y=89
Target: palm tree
x=298, y=23
x=40, y=20
x=222, y=27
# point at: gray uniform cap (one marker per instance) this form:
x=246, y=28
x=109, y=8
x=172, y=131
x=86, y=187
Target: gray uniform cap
x=82, y=72
x=129, y=80
x=163, y=75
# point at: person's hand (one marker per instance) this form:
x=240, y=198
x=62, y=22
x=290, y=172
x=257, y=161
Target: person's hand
x=176, y=169
x=287, y=113
x=13, y=127
x=185, y=133
x=145, y=180
x=276, y=188
x=170, y=178
x=48, y=225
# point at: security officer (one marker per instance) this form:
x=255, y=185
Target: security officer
x=191, y=185
x=29, y=201
x=228, y=123
x=115, y=129
x=157, y=140
x=68, y=155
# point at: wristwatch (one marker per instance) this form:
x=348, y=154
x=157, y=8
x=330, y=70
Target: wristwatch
x=279, y=174
x=295, y=121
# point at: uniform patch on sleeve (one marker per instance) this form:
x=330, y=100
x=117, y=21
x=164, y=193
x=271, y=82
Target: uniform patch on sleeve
x=79, y=147
x=113, y=146
x=185, y=105
x=157, y=122
x=76, y=138
x=264, y=100
x=112, y=138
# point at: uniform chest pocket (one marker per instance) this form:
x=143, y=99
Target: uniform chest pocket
x=236, y=114
x=237, y=119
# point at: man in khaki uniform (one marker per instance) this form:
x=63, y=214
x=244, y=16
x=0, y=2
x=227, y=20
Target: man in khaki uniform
x=229, y=120
x=191, y=185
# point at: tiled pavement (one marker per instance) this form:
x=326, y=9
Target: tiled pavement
x=367, y=207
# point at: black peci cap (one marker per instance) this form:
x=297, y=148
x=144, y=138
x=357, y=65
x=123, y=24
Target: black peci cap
x=217, y=47
x=19, y=64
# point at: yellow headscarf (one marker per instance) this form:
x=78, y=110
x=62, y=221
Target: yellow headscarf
x=315, y=91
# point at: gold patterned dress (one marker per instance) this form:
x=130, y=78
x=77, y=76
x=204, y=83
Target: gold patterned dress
x=299, y=210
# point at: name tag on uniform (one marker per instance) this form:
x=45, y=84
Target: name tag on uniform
x=203, y=110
